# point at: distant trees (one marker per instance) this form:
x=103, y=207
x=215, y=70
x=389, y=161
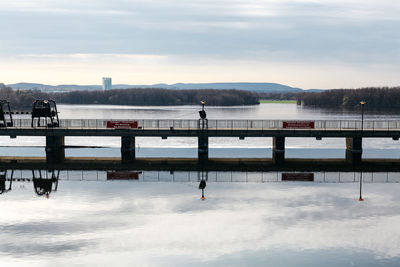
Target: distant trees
x=376, y=98
x=278, y=96
x=20, y=98
x=158, y=97
x=154, y=97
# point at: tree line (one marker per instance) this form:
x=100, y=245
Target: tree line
x=20, y=99
x=149, y=97
x=375, y=97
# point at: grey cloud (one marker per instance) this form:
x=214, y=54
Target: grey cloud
x=48, y=228
x=295, y=31
x=33, y=248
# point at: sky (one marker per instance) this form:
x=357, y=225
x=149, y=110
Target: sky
x=300, y=43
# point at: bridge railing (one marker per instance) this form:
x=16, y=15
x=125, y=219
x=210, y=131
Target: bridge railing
x=220, y=124
x=213, y=176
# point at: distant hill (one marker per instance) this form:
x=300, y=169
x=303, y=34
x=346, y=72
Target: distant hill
x=254, y=87
x=46, y=87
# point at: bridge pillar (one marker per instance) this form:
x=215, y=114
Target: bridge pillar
x=354, y=149
x=127, y=149
x=55, y=151
x=278, y=149
x=203, y=148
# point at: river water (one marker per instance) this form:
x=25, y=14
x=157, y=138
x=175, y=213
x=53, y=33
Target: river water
x=158, y=218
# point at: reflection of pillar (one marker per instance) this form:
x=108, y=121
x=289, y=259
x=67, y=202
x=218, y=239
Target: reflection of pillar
x=3, y=180
x=354, y=149
x=278, y=149
x=127, y=149
x=55, y=151
x=203, y=148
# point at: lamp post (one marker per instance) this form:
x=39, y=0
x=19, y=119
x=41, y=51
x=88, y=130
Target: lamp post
x=362, y=116
x=362, y=131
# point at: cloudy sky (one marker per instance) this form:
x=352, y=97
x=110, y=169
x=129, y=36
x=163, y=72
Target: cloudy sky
x=301, y=43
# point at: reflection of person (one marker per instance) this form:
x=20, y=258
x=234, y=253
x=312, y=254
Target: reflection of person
x=202, y=185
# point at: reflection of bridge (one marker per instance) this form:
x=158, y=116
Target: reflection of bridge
x=48, y=180
x=44, y=181
x=349, y=129
x=214, y=176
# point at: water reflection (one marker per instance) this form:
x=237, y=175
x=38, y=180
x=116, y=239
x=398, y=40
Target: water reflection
x=45, y=181
x=98, y=218
x=3, y=181
x=203, y=177
x=361, y=182
x=122, y=175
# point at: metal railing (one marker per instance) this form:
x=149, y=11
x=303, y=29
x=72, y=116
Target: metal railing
x=221, y=124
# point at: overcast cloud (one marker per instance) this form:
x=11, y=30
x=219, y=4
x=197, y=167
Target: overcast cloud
x=301, y=43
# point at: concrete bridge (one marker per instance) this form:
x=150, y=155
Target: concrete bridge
x=353, y=130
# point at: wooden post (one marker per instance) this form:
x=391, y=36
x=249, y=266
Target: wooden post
x=127, y=149
x=354, y=149
x=55, y=149
x=203, y=148
x=278, y=149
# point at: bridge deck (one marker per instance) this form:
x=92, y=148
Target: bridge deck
x=191, y=164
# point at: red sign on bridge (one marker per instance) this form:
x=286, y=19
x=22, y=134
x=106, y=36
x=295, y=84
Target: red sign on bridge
x=299, y=124
x=122, y=124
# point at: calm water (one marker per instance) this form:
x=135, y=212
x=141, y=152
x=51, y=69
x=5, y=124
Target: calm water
x=250, y=219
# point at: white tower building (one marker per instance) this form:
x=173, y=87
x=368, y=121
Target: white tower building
x=107, y=84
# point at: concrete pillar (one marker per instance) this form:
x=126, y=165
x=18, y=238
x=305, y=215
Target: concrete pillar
x=127, y=149
x=203, y=148
x=354, y=149
x=55, y=149
x=278, y=149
